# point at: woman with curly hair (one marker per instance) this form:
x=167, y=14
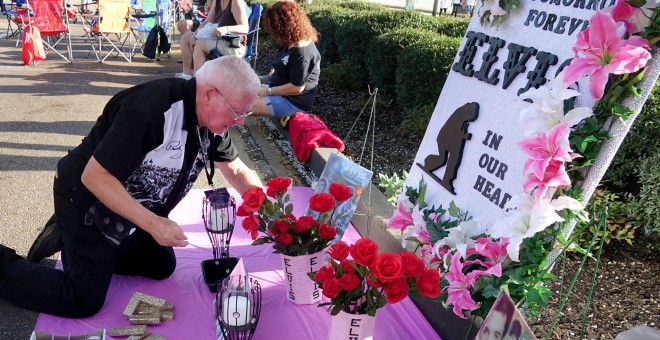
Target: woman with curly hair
x=292, y=83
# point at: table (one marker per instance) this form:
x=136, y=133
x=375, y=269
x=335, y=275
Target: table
x=193, y=311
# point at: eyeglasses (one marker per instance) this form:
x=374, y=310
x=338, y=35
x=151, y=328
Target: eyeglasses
x=237, y=116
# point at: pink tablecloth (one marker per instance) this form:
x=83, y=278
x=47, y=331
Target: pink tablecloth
x=193, y=313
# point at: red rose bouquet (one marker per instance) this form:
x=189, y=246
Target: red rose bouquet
x=270, y=214
x=367, y=280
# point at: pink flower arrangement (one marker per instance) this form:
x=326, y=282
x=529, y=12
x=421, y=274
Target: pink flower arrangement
x=600, y=51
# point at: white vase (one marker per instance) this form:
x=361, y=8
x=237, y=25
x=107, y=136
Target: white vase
x=300, y=289
x=345, y=326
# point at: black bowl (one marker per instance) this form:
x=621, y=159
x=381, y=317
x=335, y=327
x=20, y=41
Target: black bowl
x=214, y=271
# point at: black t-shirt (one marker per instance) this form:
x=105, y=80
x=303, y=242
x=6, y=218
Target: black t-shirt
x=298, y=66
x=147, y=138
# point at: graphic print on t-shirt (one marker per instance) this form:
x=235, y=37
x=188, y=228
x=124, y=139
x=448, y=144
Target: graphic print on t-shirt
x=151, y=183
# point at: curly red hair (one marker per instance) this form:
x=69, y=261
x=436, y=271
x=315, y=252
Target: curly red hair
x=287, y=22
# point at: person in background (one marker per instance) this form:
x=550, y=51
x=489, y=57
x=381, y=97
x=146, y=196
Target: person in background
x=225, y=17
x=456, y=8
x=190, y=25
x=114, y=191
x=444, y=5
x=470, y=6
x=292, y=84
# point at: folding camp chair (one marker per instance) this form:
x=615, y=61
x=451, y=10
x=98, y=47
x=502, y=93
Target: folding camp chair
x=111, y=20
x=17, y=15
x=53, y=24
x=154, y=12
x=252, y=43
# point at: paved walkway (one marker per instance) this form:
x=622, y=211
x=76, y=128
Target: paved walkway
x=45, y=110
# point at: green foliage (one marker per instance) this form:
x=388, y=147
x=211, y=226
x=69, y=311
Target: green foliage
x=621, y=223
x=382, y=60
x=641, y=142
x=449, y=26
x=393, y=185
x=355, y=35
x=361, y=6
x=427, y=62
x=327, y=21
x=647, y=203
x=417, y=120
x=345, y=76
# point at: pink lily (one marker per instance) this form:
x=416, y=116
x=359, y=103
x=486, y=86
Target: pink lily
x=545, y=148
x=459, y=287
x=402, y=218
x=622, y=11
x=554, y=176
x=599, y=51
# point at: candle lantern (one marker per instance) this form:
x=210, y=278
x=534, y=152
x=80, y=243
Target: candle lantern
x=237, y=308
x=219, y=215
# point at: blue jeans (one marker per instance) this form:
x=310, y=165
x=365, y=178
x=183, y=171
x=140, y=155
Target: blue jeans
x=279, y=106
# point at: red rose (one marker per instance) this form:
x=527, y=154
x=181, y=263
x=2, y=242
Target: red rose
x=322, y=202
x=388, y=267
x=364, y=251
x=250, y=223
x=428, y=283
x=327, y=232
x=349, y=281
x=278, y=185
x=331, y=287
x=412, y=265
x=304, y=223
x=339, y=251
x=289, y=217
x=242, y=212
x=281, y=225
x=284, y=238
x=347, y=266
x=396, y=290
x=274, y=231
x=372, y=281
x=326, y=272
x=253, y=199
x=340, y=192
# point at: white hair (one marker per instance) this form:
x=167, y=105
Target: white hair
x=231, y=74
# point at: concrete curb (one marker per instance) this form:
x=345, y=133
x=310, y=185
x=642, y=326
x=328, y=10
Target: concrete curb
x=370, y=220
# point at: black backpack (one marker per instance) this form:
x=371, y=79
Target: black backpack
x=156, y=43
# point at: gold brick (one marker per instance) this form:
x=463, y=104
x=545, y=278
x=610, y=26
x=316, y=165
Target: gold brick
x=139, y=337
x=167, y=315
x=155, y=337
x=132, y=306
x=149, y=299
x=168, y=306
x=151, y=319
x=128, y=330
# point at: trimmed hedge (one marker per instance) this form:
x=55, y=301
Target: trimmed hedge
x=354, y=36
x=345, y=76
x=450, y=26
x=647, y=204
x=384, y=51
x=423, y=69
x=641, y=142
x=327, y=22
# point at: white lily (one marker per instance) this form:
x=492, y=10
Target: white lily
x=460, y=237
x=528, y=219
x=547, y=108
x=493, y=6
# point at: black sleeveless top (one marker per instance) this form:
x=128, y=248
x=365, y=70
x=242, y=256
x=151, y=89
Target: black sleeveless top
x=224, y=18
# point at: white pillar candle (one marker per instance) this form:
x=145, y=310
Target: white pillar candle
x=236, y=310
x=219, y=221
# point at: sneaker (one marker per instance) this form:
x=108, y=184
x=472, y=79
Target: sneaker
x=47, y=243
x=183, y=76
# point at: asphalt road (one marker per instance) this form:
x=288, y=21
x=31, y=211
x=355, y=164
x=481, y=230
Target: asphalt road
x=45, y=110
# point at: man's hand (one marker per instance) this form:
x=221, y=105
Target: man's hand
x=168, y=233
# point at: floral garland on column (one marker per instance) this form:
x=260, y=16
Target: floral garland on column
x=477, y=261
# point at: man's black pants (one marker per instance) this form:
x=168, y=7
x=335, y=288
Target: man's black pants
x=89, y=262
